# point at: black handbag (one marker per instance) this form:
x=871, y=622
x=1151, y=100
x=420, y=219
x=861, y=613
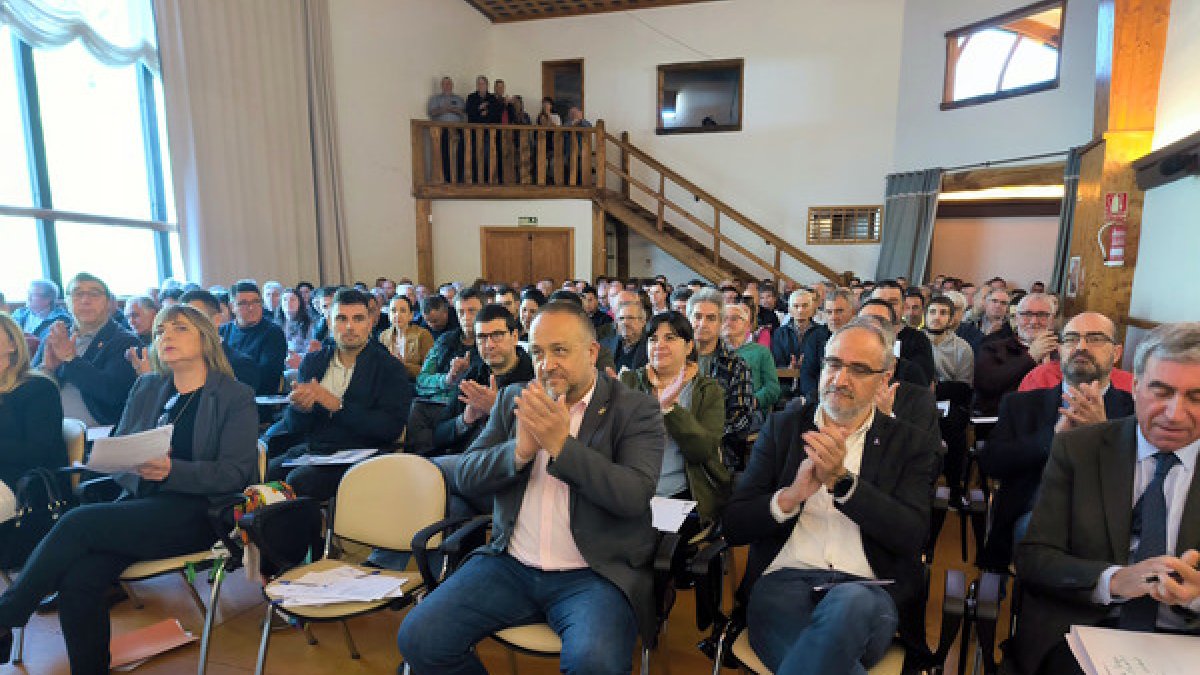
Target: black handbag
x=39, y=503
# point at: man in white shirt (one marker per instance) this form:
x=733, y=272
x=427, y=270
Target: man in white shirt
x=834, y=495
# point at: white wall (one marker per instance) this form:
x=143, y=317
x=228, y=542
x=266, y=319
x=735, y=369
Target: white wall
x=1164, y=285
x=646, y=259
x=456, y=223
x=819, y=114
x=1036, y=123
x=1019, y=249
x=388, y=56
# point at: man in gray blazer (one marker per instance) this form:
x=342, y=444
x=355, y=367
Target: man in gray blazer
x=572, y=459
x=1118, y=516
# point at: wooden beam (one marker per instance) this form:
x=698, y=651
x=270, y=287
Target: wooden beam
x=1050, y=173
x=503, y=192
x=599, y=248
x=1131, y=41
x=424, y=223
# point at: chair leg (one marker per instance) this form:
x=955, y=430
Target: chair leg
x=218, y=576
x=195, y=594
x=308, y=634
x=512, y=661
x=349, y=641
x=133, y=596
x=261, y=664
x=645, y=660
x=18, y=656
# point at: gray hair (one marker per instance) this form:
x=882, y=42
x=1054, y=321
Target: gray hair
x=46, y=287
x=843, y=293
x=272, y=285
x=707, y=295
x=992, y=291
x=1177, y=342
x=869, y=324
x=1042, y=297
x=959, y=300
x=632, y=303
x=145, y=301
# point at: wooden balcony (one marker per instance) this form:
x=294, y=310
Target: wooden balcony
x=494, y=161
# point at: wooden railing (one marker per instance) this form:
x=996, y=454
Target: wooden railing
x=476, y=159
x=721, y=212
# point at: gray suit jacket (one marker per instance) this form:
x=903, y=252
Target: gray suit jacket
x=1081, y=526
x=224, y=447
x=612, y=467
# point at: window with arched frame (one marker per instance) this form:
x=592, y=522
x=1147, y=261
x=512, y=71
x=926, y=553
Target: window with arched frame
x=1013, y=54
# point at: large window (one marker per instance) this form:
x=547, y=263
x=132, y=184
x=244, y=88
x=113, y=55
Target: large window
x=1009, y=55
x=86, y=186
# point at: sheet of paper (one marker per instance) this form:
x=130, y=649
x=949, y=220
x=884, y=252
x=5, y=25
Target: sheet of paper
x=943, y=407
x=667, y=514
x=271, y=400
x=94, y=433
x=1108, y=651
x=125, y=453
x=131, y=650
x=345, y=583
x=983, y=420
x=336, y=459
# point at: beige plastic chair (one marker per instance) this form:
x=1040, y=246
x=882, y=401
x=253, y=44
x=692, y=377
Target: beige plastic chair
x=381, y=503
x=892, y=662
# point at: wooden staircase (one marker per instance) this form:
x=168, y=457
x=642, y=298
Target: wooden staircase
x=704, y=255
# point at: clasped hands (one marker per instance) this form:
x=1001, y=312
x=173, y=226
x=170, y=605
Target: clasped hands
x=542, y=422
x=479, y=399
x=1082, y=405
x=307, y=394
x=1137, y=580
x=823, y=466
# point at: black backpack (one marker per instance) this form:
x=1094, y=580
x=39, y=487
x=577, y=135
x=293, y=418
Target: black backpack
x=39, y=503
x=287, y=534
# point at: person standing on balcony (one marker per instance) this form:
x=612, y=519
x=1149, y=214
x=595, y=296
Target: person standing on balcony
x=482, y=108
x=448, y=106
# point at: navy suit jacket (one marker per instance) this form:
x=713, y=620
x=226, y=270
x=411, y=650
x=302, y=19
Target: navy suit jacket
x=102, y=373
x=374, y=408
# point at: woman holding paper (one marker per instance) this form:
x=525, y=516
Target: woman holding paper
x=212, y=454
x=31, y=416
x=693, y=408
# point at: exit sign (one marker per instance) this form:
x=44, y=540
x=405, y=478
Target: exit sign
x=526, y=220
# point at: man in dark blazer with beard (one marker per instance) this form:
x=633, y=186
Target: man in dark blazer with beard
x=1018, y=447
x=1118, y=516
x=835, y=493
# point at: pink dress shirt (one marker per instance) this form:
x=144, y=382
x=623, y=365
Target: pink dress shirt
x=542, y=537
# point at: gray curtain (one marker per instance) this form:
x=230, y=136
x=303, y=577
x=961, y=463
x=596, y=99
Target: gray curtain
x=1066, y=221
x=909, y=210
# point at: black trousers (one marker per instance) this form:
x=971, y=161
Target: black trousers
x=318, y=482
x=85, y=553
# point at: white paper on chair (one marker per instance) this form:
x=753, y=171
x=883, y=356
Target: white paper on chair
x=94, y=433
x=668, y=514
x=339, y=584
x=125, y=453
x=1108, y=651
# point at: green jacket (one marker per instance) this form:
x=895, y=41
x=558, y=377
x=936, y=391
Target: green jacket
x=698, y=430
x=762, y=371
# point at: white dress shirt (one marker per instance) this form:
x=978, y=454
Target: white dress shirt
x=337, y=377
x=1175, y=488
x=823, y=537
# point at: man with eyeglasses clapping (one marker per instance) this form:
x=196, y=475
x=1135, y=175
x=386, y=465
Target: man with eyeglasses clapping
x=1002, y=362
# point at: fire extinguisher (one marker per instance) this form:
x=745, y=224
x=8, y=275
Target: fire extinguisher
x=1114, y=253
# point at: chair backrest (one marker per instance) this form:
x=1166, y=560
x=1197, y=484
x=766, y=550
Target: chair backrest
x=75, y=436
x=386, y=500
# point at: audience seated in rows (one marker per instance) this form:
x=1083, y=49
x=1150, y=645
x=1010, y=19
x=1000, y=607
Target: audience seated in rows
x=628, y=344
x=787, y=340
x=405, y=340
x=839, y=310
x=706, y=313
x=245, y=370
x=1003, y=361
x=351, y=394
x=735, y=331
x=914, y=345
x=453, y=353
x=437, y=315
x=140, y=311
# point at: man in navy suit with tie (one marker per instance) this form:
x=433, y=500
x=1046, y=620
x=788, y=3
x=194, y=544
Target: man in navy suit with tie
x=1114, y=535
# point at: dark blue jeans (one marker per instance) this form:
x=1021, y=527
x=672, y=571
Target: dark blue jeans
x=490, y=592
x=846, y=631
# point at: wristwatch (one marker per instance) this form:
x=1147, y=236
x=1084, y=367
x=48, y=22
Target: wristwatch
x=843, y=485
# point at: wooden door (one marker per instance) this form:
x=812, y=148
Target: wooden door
x=563, y=82
x=526, y=254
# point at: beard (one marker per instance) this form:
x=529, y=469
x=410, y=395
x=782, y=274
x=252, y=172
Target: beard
x=1081, y=367
x=841, y=404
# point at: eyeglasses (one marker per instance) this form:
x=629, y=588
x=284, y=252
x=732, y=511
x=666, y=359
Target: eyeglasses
x=494, y=336
x=627, y=319
x=1091, y=339
x=1041, y=316
x=88, y=293
x=856, y=369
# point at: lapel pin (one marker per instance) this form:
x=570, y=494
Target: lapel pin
x=601, y=411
